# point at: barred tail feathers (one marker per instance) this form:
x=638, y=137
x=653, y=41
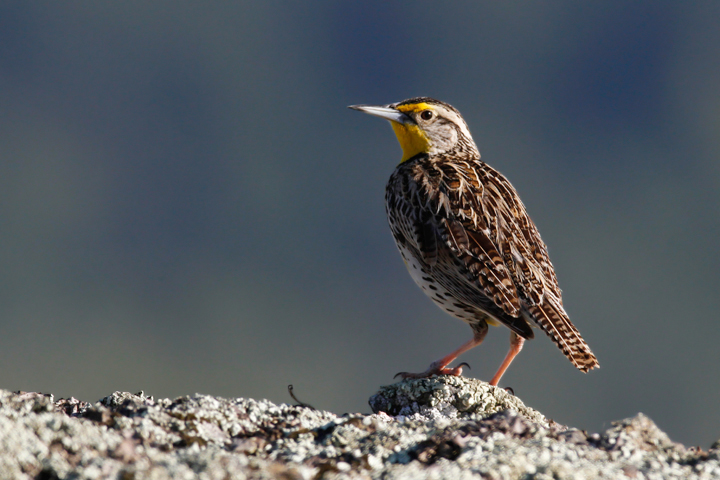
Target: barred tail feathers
x=553, y=320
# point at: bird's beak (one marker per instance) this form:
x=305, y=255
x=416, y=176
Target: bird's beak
x=386, y=112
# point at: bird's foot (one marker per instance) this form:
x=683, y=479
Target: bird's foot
x=434, y=369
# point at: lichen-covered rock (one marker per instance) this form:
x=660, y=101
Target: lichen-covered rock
x=443, y=427
x=448, y=396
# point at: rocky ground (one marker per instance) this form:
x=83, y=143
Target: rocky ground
x=438, y=428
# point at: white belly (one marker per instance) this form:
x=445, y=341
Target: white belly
x=437, y=293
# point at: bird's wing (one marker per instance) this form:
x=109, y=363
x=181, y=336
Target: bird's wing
x=482, y=281
x=481, y=219
x=446, y=204
x=483, y=207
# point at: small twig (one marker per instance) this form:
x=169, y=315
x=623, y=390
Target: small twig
x=299, y=403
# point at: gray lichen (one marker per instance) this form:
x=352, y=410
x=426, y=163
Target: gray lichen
x=443, y=427
x=451, y=397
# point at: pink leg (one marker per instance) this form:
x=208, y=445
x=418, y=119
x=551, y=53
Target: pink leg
x=516, y=344
x=440, y=367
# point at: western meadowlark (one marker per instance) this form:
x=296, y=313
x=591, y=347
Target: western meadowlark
x=466, y=238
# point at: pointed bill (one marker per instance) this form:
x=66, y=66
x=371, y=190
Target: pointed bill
x=388, y=113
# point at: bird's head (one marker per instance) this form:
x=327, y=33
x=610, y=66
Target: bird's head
x=425, y=125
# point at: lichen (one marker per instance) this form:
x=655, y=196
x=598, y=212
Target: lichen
x=442, y=427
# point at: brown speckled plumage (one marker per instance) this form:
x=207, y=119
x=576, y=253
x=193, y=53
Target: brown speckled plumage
x=468, y=241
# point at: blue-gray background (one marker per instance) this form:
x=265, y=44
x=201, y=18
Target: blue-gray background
x=187, y=205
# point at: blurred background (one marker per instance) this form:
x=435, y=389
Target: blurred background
x=188, y=206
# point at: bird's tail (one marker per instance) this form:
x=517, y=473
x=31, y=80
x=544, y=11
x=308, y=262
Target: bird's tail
x=553, y=320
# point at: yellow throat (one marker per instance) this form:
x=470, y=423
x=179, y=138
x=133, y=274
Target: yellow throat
x=412, y=139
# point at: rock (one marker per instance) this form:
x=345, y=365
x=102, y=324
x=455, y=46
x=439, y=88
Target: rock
x=442, y=427
x=451, y=397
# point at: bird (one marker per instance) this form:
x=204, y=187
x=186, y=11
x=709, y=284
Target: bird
x=467, y=239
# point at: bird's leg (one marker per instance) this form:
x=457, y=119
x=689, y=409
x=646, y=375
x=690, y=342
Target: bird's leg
x=440, y=367
x=516, y=344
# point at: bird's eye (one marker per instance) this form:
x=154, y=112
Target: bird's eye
x=426, y=114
